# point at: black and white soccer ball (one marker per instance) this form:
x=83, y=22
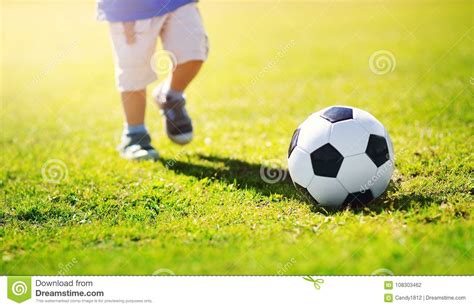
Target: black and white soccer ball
x=341, y=156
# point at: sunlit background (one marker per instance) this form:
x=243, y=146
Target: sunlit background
x=204, y=208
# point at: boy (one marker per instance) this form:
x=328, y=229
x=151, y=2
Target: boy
x=134, y=28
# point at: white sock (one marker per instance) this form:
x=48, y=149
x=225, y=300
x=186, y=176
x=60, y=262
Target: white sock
x=134, y=129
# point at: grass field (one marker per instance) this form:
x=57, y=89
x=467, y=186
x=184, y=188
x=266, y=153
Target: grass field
x=204, y=209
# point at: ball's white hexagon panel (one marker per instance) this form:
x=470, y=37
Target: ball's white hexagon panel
x=327, y=191
x=349, y=138
x=299, y=166
x=356, y=172
x=368, y=122
x=314, y=133
x=381, y=179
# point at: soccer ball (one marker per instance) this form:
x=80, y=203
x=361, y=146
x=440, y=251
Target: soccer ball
x=341, y=156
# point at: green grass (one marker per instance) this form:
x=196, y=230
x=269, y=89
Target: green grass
x=204, y=209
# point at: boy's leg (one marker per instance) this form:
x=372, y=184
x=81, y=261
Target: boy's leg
x=184, y=74
x=133, y=102
x=184, y=37
x=134, y=106
x=134, y=44
x=136, y=142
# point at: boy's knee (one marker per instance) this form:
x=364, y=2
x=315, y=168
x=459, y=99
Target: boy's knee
x=184, y=35
x=191, y=50
x=191, y=63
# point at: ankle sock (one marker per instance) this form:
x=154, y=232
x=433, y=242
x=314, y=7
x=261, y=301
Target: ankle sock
x=175, y=95
x=134, y=129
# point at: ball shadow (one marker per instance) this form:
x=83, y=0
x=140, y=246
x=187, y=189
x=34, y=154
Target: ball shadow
x=393, y=199
x=249, y=176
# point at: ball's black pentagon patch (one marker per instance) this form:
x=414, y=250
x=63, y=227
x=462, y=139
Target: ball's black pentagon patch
x=358, y=199
x=304, y=193
x=336, y=114
x=377, y=150
x=326, y=161
x=294, y=141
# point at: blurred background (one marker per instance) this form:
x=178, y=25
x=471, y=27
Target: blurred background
x=271, y=64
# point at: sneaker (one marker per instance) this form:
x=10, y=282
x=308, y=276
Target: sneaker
x=137, y=147
x=178, y=124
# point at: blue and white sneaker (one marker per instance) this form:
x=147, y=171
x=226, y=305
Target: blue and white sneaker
x=137, y=147
x=178, y=124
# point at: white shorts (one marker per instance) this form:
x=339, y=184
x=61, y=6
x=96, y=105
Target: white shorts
x=182, y=34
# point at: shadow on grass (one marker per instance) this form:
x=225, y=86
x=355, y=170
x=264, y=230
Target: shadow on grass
x=233, y=171
x=394, y=200
x=251, y=176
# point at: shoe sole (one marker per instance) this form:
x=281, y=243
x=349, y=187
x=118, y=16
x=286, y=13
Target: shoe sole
x=146, y=155
x=181, y=139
